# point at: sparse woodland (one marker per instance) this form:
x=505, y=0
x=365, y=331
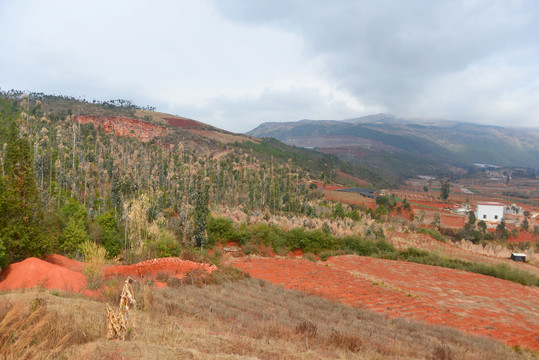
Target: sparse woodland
x=128, y=195
x=65, y=183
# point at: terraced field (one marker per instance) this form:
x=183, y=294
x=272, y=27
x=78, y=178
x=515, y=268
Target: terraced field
x=425, y=242
x=474, y=303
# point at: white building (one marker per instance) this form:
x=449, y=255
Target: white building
x=489, y=211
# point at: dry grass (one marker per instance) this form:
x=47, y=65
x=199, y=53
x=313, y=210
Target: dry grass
x=95, y=257
x=240, y=319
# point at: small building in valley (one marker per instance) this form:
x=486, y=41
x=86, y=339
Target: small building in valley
x=489, y=211
x=518, y=257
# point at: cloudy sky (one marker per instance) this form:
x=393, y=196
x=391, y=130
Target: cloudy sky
x=237, y=63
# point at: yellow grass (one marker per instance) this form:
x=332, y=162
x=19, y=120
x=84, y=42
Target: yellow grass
x=246, y=319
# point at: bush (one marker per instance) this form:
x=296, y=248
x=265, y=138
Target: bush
x=165, y=247
x=432, y=233
x=366, y=247
x=95, y=257
x=220, y=229
x=110, y=237
x=309, y=241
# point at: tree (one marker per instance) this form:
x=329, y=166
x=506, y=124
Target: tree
x=525, y=225
x=445, y=188
x=110, y=237
x=339, y=212
x=501, y=229
x=437, y=221
x=74, y=234
x=202, y=211
x=471, y=218
x=21, y=213
x=482, y=225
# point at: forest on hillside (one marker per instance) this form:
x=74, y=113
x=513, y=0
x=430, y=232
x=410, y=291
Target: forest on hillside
x=66, y=185
x=63, y=183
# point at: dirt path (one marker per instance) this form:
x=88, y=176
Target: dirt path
x=471, y=302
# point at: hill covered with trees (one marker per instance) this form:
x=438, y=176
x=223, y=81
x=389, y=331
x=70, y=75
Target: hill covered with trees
x=139, y=182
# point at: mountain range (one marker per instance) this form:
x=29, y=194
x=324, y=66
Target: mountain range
x=407, y=147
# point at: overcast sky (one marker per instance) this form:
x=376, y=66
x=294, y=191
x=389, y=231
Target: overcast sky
x=237, y=63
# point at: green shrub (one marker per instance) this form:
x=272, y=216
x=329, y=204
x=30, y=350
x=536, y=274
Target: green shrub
x=432, y=233
x=220, y=229
x=165, y=246
x=366, y=247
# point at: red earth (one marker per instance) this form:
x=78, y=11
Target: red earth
x=474, y=303
x=124, y=126
x=182, y=123
x=57, y=272
x=174, y=267
x=33, y=272
x=524, y=236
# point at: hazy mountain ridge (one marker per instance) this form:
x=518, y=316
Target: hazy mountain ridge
x=423, y=144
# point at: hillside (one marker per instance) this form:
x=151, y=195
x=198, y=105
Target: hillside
x=113, y=183
x=99, y=166
x=408, y=147
x=249, y=319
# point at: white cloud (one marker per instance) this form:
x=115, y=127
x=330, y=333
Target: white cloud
x=237, y=63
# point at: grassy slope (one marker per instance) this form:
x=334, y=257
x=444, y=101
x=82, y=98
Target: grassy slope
x=233, y=320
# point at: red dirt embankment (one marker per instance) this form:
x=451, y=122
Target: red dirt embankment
x=57, y=272
x=124, y=126
x=34, y=272
x=174, y=267
x=474, y=303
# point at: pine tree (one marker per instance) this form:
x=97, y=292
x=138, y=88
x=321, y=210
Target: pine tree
x=202, y=211
x=21, y=213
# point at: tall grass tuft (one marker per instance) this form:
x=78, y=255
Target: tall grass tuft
x=95, y=257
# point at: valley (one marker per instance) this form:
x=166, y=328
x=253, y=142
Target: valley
x=242, y=246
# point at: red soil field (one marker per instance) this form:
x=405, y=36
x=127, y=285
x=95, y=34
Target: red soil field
x=61, y=273
x=524, y=236
x=182, y=123
x=470, y=302
x=452, y=220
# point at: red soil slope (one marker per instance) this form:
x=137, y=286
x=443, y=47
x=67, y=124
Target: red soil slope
x=61, y=273
x=34, y=272
x=471, y=302
x=124, y=126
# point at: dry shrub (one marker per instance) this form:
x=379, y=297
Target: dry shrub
x=307, y=328
x=95, y=257
x=192, y=255
x=112, y=289
x=167, y=278
x=343, y=341
x=196, y=277
x=442, y=352
x=227, y=273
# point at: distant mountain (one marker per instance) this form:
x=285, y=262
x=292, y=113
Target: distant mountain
x=408, y=147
